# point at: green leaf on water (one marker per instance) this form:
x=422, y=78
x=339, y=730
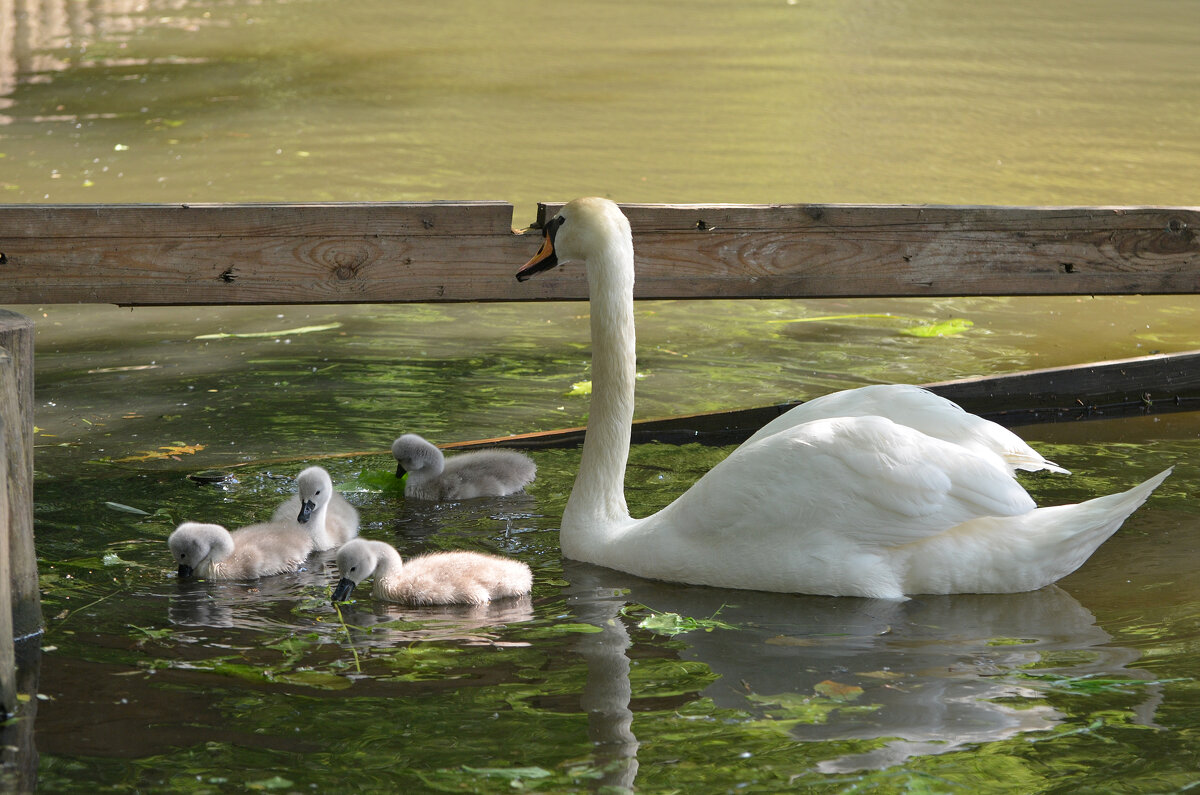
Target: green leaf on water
x=580, y=388
x=116, y=506
x=374, y=481
x=248, y=335
x=674, y=623
x=946, y=328
x=276, y=782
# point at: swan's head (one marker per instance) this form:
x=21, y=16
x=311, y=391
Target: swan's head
x=196, y=546
x=414, y=454
x=356, y=561
x=316, y=490
x=581, y=230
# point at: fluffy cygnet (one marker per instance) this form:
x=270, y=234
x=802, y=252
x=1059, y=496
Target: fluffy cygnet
x=482, y=473
x=329, y=519
x=439, y=578
x=211, y=551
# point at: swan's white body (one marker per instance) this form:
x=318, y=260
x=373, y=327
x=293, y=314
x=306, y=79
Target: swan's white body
x=438, y=578
x=481, y=473
x=838, y=505
x=322, y=512
x=212, y=552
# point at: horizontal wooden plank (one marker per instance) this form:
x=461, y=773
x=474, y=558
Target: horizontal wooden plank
x=1143, y=385
x=740, y=251
x=387, y=252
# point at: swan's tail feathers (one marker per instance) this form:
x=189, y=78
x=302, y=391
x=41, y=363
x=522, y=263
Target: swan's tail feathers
x=1067, y=535
x=1009, y=554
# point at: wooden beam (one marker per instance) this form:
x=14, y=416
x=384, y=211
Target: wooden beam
x=467, y=251
x=1122, y=387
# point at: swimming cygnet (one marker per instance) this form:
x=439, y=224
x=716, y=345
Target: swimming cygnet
x=329, y=519
x=211, y=551
x=438, y=578
x=482, y=473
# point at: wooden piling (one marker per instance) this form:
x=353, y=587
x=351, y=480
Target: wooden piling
x=16, y=407
x=8, y=661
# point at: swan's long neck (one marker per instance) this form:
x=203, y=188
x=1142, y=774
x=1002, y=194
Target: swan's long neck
x=598, y=499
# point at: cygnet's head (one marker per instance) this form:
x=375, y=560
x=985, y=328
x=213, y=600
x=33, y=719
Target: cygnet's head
x=414, y=454
x=582, y=229
x=356, y=561
x=316, y=490
x=193, y=544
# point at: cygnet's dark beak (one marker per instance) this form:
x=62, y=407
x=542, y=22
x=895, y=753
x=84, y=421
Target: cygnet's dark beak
x=342, y=592
x=306, y=509
x=546, y=258
x=185, y=570
x=400, y=470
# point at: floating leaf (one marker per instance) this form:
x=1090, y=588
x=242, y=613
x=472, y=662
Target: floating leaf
x=276, y=782
x=116, y=506
x=375, y=481
x=838, y=691
x=248, y=335
x=321, y=679
x=947, y=328
x=580, y=388
x=674, y=623
x=163, y=452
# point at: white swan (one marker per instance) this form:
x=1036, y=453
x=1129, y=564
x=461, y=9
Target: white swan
x=482, y=473
x=325, y=514
x=212, y=552
x=438, y=578
x=850, y=506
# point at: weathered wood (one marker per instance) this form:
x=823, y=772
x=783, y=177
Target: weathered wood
x=8, y=661
x=16, y=406
x=1143, y=385
x=329, y=253
x=748, y=251
x=237, y=254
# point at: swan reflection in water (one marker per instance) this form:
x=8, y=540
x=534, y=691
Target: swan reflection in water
x=933, y=669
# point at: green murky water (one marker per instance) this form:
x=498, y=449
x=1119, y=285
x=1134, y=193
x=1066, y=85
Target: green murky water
x=147, y=684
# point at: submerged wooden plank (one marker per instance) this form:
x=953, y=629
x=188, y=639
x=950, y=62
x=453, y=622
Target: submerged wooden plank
x=1139, y=386
x=466, y=251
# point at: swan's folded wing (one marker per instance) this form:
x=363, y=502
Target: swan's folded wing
x=855, y=480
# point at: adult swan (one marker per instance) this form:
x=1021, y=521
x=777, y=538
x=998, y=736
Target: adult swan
x=839, y=505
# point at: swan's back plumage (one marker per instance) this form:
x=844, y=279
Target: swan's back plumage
x=877, y=492
x=923, y=410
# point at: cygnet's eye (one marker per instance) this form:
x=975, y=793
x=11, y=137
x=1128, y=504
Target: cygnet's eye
x=315, y=493
x=352, y=568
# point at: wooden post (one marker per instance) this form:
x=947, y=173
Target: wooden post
x=8, y=660
x=16, y=406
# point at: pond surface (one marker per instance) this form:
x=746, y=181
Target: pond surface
x=150, y=684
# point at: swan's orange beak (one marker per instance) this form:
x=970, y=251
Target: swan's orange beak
x=544, y=260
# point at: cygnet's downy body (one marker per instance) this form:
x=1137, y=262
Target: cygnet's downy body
x=321, y=511
x=210, y=551
x=439, y=578
x=482, y=473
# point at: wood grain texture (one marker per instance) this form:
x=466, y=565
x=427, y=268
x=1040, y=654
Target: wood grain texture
x=467, y=251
